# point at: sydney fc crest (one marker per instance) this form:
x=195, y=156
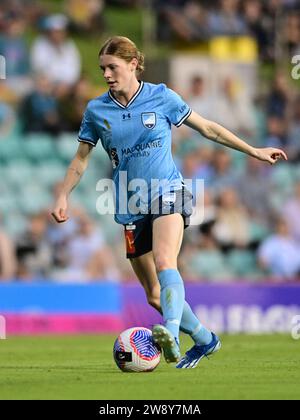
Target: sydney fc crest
x=149, y=119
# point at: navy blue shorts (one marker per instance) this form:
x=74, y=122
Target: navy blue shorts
x=138, y=234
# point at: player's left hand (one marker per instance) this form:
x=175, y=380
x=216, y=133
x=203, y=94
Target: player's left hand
x=270, y=154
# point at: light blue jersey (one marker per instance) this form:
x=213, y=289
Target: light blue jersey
x=137, y=138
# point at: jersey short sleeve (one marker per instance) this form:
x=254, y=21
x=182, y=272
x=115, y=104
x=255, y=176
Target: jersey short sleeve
x=176, y=110
x=87, y=132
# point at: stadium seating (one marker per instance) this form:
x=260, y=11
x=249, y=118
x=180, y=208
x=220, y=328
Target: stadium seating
x=210, y=265
x=66, y=146
x=241, y=48
x=242, y=262
x=39, y=147
x=11, y=148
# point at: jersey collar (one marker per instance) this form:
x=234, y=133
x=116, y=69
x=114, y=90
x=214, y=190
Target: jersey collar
x=131, y=100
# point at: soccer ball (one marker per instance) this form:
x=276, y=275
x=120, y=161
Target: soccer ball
x=135, y=351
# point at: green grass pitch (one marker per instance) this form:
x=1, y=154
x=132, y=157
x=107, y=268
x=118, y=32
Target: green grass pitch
x=81, y=367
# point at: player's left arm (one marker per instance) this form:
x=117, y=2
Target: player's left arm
x=221, y=135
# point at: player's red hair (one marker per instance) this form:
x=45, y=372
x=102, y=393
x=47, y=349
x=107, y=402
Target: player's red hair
x=124, y=48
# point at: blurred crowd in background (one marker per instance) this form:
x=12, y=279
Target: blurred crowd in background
x=251, y=226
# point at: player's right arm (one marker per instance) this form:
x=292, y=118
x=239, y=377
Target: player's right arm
x=74, y=173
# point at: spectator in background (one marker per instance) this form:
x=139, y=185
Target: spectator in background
x=198, y=98
x=203, y=217
x=33, y=250
x=183, y=20
x=233, y=109
x=30, y=9
x=7, y=118
x=88, y=256
x=271, y=12
x=2, y=19
x=39, y=110
x=55, y=55
x=276, y=132
x=125, y=3
x=260, y=119
x=222, y=174
x=260, y=19
x=59, y=236
x=292, y=32
x=72, y=106
x=15, y=51
x=227, y=20
x=85, y=15
x=232, y=227
x=196, y=160
x=291, y=213
x=253, y=187
x=189, y=154
x=280, y=96
x=204, y=262
x=253, y=14
x=294, y=133
x=279, y=254
x=8, y=263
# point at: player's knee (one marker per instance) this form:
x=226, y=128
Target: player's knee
x=164, y=262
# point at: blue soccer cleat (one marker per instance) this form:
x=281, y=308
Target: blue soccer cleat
x=197, y=352
x=165, y=339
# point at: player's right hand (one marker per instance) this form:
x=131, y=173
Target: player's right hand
x=60, y=210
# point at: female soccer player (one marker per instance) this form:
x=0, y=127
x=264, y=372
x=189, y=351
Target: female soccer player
x=133, y=121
